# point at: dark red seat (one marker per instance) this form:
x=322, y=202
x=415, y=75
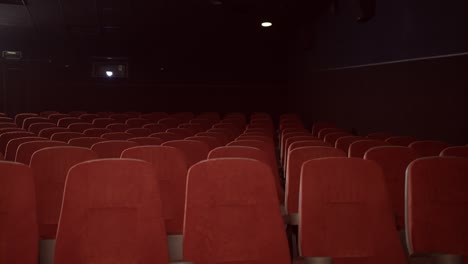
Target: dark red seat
x=112, y=148
x=13, y=145
x=27, y=149
x=428, y=148
x=359, y=148
x=85, y=142
x=194, y=151
x=460, y=151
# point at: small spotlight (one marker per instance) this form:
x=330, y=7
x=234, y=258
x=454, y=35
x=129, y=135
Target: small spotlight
x=109, y=73
x=267, y=24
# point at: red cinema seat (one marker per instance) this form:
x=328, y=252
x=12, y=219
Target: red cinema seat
x=437, y=206
x=345, y=213
x=89, y=117
x=155, y=128
x=401, y=141
x=113, y=148
x=460, y=151
x=214, y=116
x=139, y=132
x=317, y=126
x=36, y=128
x=394, y=160
x=285, y=137
x=359, y=148
x=324, y=132
x=147, y=141
x=290, y=140
x=18, y=225
x=96, y=132
x=48, y=132
x=380, y=136
x=169, y=122
x=261, y=138
x=132, y=114
x=119, y=118
x=194, y=128
x=194, y=151
x=66, y=136
x=137, y=122
x=343, y=143
x=80, y=127
x=6, y=137
x=111, y=213
x=103, y=122
x=56, y=117
x=8, y=125
x=333, y=137
x=33, y=120
x=5, y=119
x=186, y=116
x=230, y=134
x=219, y=225
x=222, y=138
x=429, y=148
x=104, y=114
x=171, y=172
x=181, y=132
x=205, y=123
x=66, y=121
x=118, y=127
x=50, y=167
x=85, y=142
x=166, y=136
x=296, y=159
x=304, y=143
x=47, y=113
x=268, y=147
x=13, y=145
x=155, y=116
x=19, y=118
x=77, y=113
x=27, y=149
x=212, y=142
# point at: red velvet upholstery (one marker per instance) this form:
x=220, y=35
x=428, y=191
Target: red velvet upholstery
x=169, y=122
x=8, y=125
x=36, y=128
x=194, y=151
x=231, y=134
x=119, y=118
x=66, y=136
x=379, y=136
x=257, y=133
x=111, y=213
x=325, y=131
x=48, y=113
x=139, y=132
x=103, y=122
x=212, y=142
x=261, y=138
x=343, y=143
x=118, y=127
x=96, y=132
x=117, y=136
x=429, y=148
x=269, y=148
x=459, y=151
x=13, y=145
x=171, y=172
x=147, y=141
x=77, y=113
x=166, y=136
x=333, y=137
x=85, y=142
x=155, y=116
x=206, y=123
x=112, y=148
x=238, y=220
x=345, y=213
x=358, y=148
x=48, y=132
x=437, y=205
x=6, y=137
x=19, y=118
x=79, y=127
x=296, y=158
x=286, y=136
x=401, y=141
x=214, y=116
x=304, y=143
x=317, y=126
x=33, y=120
x=18, y=226
x=89, y=117
x=223, y=139
x=137, y=122
x=27, y=149
x=250, y=153
x=155, y=128
x=56, y=117
x=66, y=121
x=50, y=167
x=195, y=128
x=181, y=132
x=394, y=160
x=291, y=140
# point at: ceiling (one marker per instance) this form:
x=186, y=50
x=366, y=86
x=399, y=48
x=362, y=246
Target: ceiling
x=183, y=35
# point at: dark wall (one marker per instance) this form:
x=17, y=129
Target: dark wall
x=426, y=99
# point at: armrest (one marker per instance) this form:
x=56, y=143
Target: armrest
x=313, y=260
x=175, y=247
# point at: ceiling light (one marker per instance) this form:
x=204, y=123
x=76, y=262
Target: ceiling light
x=267, y=24
x=109, y=73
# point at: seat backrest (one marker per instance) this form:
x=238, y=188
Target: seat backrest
x=290, y=140
x=56, y=117
x=169, y=122
x=13, y=145
x=66, y=121
x=401, y=141
x=155, y=116
x=85, y=142
x=137, y=122
x=96, y=132
x=269, y=148
x=460, y=151
x=212, y=142
x=437, y=205
x=37, y=127
x=428, y=148
x=195, y=128
x=117, y=136
x=50, y=167
x=18, y=225
x=286, y=136
x=304, y=143
x=224, y=139
x=232, y=214
x=181, y=132
x=345, y=213
x=194, y=151
x=8, y=125
x=19, y=118
x=27, y=149
x=359, y=148
x=147, y=141
x=118, y=127
x=325, y=131
x=111, y=213
x=296, y=158
x=343, y=143
x=48, y=132
x=155, y=128
x=66, y=136
x=379, y=136
x=112, y=148
x=139, y=132
x=103, y=122
x=88, y=117
x=331, y=138
x=394, y=160
x=317, y=126
x=79, y=127
x=33, y=120
x=166, y=136
x=171, y=172
x=6, y=137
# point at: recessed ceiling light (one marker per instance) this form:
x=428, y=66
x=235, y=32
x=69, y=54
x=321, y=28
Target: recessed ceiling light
x=267, y=24
x=109, y=73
